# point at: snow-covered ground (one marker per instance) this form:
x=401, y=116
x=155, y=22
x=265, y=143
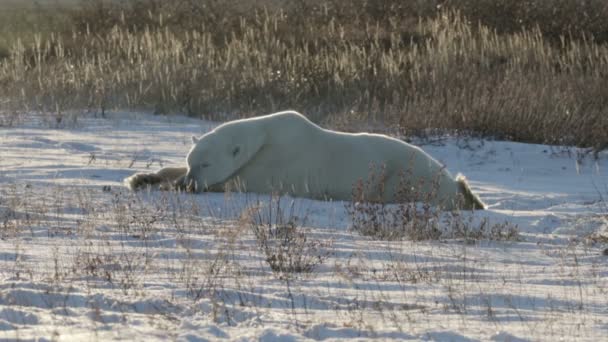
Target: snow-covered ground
x=82, y=258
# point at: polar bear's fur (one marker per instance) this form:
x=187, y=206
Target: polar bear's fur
x=287, y=153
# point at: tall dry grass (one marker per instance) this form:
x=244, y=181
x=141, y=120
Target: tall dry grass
x=372, y=64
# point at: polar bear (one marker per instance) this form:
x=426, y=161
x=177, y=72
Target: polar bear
x=286, y=153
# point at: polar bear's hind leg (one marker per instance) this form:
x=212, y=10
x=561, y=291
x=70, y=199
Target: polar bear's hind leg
x=164, y=178
x=471, y=201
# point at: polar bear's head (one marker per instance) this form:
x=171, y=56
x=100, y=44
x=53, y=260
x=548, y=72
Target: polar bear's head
x=218, y=155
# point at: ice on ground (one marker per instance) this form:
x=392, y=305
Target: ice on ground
x=83, y=258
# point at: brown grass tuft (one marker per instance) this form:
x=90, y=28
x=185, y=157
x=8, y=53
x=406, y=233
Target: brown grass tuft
x=535, y=75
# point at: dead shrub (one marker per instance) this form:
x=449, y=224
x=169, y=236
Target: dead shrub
x=415, y=217
x=282, y=238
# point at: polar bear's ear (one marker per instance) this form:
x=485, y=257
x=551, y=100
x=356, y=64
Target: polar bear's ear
x=194, y=139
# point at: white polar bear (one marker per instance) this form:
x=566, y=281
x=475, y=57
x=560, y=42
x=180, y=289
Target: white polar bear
x=287, y=153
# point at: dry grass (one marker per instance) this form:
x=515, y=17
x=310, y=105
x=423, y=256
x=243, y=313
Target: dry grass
x=400, y=64
x=415, y=218
x=287, y=246
x=554, y=18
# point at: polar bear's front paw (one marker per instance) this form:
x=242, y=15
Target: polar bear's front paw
x=182, y=184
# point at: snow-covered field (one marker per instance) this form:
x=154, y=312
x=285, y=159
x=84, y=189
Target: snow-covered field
x=82, y=258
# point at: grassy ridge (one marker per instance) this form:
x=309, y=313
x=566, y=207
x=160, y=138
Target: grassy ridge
x=398, y=63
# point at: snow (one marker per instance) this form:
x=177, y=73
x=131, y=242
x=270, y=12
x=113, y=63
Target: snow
x=82, y=258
